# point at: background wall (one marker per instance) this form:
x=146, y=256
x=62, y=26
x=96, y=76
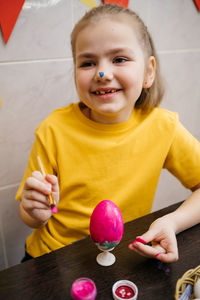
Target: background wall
x=36, y=76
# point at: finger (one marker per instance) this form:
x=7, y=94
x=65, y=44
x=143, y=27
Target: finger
x=38, y=175
x=33, y=195
x=48, y=179
x=144, y=239
x=55, y=186
x=40, y=213
x=33, y=183
x=143, y=252
x=147, y=237
x=32, y=205
x=171, y=250
x=146, y=250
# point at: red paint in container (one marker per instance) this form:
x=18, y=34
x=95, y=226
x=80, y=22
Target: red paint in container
x=125, y=292
x=124, y=289
x=83, y=289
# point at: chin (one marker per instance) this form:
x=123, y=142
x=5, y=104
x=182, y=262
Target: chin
x=110, y=109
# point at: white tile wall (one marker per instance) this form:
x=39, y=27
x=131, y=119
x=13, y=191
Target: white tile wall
x=36, y=76
x=29, y=92
x=175, y=25
x=182, y=73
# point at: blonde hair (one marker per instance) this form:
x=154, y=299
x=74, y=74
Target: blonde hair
x=149, y=97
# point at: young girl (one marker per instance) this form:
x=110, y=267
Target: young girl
x=112, y=145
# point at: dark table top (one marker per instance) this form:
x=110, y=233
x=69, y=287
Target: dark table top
x=51, y=276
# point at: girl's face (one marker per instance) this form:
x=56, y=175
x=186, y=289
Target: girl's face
x=111, y=47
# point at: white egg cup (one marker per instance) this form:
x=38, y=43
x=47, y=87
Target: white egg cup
x=105, y=258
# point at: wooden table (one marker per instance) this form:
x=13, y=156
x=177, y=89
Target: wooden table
x=51, y=276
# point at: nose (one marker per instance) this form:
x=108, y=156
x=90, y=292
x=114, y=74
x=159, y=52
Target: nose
x=103, y=75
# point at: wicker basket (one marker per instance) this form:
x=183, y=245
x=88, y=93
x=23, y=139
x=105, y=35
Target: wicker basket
x=189, y=277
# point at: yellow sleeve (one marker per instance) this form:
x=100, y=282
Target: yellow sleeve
x=183, y=159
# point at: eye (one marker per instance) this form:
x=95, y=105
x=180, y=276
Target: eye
x=119, y=60
x=87, y=64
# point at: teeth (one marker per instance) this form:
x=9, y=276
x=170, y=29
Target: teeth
x=103, y=92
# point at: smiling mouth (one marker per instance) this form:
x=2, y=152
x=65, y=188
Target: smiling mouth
x=105, y=92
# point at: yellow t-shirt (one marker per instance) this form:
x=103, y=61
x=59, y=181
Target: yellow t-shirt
x=119, y=162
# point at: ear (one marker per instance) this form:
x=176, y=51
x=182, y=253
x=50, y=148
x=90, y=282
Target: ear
x=149, y=72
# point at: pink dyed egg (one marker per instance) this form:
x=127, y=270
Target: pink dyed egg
x=106, y=225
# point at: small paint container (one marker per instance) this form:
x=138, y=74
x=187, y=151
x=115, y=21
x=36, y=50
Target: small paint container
x=83, y=289
x=124, y=289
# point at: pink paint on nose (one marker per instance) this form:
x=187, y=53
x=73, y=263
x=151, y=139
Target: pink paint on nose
x=83, y=289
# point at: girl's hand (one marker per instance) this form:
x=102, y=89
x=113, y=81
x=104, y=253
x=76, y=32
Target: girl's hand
x=162, y=236
x=35, y=196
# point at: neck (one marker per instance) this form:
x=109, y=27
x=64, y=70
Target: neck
x=107, y=119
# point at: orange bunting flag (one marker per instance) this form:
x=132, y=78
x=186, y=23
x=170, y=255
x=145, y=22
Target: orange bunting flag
x=123, y=3
x=9, y=12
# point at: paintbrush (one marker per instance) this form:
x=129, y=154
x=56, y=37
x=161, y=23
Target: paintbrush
x=54, y=209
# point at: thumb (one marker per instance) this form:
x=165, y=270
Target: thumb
x=54, y=182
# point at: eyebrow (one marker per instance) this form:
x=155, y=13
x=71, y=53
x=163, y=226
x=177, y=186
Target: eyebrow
x=110, y=52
